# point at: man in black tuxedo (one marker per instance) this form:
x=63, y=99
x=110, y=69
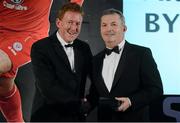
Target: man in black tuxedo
x=125, y=76
x=61, y=64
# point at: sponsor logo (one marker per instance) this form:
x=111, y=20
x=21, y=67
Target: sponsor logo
x=15, y=4
x=17, y=1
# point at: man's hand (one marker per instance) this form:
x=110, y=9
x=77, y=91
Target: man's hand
x=125, y=103
x=85, y=107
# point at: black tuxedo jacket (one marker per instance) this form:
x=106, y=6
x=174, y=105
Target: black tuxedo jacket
x=136, y=77
x=59, y=88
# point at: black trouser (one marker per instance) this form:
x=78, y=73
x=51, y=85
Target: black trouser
x=58, y=113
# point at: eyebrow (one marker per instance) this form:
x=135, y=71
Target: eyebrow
x=110, y=22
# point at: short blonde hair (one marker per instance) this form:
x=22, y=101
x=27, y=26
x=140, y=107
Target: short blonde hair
x=73, y=7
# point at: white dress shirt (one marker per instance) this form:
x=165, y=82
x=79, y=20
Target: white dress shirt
x=69, y=51
x=110, y=65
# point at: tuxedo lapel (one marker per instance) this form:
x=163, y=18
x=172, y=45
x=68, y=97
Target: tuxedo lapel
x=78, y=57
x=121, y=65
x=59, y=50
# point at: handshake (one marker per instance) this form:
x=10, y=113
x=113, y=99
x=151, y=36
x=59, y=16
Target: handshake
x=103, y=103
x=85, y=107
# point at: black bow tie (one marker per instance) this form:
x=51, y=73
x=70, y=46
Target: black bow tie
x=69, y=45
x=109, y=51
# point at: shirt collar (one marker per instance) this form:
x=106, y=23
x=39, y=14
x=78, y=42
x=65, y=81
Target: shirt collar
x=121, y=45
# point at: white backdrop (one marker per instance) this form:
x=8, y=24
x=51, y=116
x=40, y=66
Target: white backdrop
x=156, y=24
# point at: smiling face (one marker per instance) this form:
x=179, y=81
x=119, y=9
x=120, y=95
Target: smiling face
x=69, y=26
x=112, y=30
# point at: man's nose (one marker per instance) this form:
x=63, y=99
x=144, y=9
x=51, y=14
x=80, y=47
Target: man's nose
x=74, y=26
x=109, y=28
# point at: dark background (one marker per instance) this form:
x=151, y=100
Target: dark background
x=90, y=33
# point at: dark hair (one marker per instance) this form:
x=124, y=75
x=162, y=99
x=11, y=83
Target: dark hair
x=114, y=11
x=73, y=7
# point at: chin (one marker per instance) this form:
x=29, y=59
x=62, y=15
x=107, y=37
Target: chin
x=110, y=42
x=71, y=39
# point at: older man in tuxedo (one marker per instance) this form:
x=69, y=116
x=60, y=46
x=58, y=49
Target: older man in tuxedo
x=125, y=76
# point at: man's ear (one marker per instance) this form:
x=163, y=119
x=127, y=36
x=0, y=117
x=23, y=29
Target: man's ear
x=125, y=28
x=58, y=22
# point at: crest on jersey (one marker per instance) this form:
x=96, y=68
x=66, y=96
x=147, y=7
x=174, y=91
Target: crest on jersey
x=17, y=46
x=17, y=1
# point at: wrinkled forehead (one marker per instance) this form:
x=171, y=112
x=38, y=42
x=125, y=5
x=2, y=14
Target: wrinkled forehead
x=110, y=18
x=70, y=15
